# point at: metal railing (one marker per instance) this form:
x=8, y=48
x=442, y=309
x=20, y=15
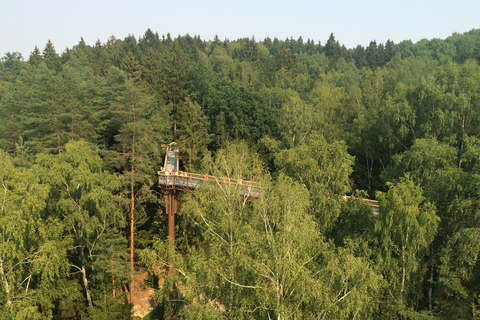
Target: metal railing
x=191, y=181
x=371, y=203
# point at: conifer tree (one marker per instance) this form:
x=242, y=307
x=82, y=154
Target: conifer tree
x=35, y=57
x=51, y=57
x=193, y=136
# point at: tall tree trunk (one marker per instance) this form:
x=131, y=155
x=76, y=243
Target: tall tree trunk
x=71, y=129
x=56, y=128
x=5, y=283
x=85, y=279
x=430, y=289
x=132, y=221
x=404, y=271
x=462, y=137
x=58, y=134
x=369, y=172
x=113, y=277
x=132, y=211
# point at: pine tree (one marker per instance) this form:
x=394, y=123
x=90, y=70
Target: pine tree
x=35, y=57
x=330, y=48
x=138, y=129
x=193, y=136
x=51, y=57
x=174, y=69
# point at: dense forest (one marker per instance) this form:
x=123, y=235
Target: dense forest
x=81, y=214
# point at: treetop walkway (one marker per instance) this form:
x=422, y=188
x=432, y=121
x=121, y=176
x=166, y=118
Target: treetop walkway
x=171, y=180
x=186, y=181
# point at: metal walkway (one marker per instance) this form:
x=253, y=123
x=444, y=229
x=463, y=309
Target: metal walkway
x=190, y=181
x=170, y=180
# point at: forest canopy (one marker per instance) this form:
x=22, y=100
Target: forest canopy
x=80, y=145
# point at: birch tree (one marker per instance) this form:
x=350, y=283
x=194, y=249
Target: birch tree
x=83, y=197
x=406, y=229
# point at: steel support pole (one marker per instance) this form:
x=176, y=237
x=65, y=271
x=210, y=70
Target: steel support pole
x=171, y=209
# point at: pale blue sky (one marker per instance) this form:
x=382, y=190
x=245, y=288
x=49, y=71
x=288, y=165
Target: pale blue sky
x=26, y=23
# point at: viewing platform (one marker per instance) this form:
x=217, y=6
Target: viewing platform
x=185, y=181
x=171, y=180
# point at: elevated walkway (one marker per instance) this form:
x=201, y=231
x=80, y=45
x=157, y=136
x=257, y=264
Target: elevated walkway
x=171, y=180
x=185, y=181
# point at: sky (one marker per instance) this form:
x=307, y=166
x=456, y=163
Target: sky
x=25, y=24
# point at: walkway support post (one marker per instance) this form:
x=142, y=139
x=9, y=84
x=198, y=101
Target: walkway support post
x=171, y=208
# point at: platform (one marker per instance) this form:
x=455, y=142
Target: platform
x=185, y=181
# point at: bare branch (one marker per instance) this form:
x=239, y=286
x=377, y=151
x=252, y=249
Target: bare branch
x=238, y=284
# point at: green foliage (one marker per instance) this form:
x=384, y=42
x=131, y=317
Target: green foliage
x=30, y=248
x=324, y=170
x=261, y=260
x=83, y=197
x=192, y=135
x=355, y=223
x=459, y=271
x=406, y=229
x=400, y=118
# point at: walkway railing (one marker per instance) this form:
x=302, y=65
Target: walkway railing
x=371, y=203
x=190, y=181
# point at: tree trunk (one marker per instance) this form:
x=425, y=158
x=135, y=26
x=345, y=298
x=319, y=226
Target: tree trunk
x=85, y=280
x=58, y=134
x=404, y=273
x=5, y=283
x=132, y=221
x=113, y=277
x=71, y=129
x=462, y=138
x=430, y=289
x=132, y=212
x=56, y=127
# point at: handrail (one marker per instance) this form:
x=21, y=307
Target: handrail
x=371, y=203
x=190, y=181
x=214, y=178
